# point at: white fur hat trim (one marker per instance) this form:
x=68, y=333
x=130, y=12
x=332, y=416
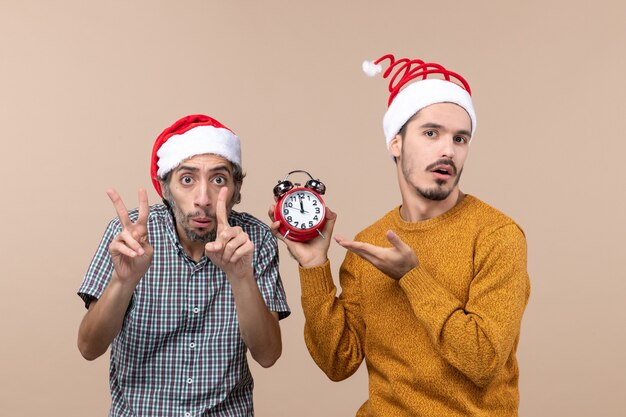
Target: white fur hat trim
x=197, y=141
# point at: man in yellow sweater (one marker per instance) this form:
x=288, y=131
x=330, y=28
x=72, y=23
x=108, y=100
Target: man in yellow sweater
x=432, y=293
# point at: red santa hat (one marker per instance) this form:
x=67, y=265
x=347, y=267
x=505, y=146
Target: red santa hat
x=191, y=135
x=411, y=90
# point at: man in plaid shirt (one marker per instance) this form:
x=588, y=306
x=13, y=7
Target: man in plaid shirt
x=181, y=291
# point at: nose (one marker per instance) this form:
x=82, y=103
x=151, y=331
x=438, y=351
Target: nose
x=202, y=198
x=447, y=147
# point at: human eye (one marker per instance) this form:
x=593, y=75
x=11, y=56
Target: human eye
x=460, y=139
x=219, y=180
x=186, y=180
x=430, y=133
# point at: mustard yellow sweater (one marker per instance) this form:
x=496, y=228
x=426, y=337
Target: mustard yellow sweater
x=441, y=341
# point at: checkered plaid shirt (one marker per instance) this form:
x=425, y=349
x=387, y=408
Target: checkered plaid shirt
x=179, y=352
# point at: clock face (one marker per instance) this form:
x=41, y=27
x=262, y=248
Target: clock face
x=302, y=209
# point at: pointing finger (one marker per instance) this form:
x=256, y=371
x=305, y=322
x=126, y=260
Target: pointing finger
x=120, y=208
x=220, y=210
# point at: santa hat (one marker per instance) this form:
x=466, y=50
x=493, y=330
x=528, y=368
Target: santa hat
x=192, y=135
x=408, y=96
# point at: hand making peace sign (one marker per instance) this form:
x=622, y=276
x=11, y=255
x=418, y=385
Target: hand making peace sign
x=130, y=250
x=232, y=249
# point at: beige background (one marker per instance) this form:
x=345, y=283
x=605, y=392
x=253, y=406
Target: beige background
x=85, y=87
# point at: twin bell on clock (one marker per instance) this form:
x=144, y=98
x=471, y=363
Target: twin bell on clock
x=300, y=209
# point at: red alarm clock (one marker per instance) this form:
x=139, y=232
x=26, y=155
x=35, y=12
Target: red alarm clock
x=300, y=210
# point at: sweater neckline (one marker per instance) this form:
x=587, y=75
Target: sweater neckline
x=432, y=222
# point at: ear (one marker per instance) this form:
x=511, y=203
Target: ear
x=395, y=146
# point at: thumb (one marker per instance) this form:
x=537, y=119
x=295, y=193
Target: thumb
x=331, y=217
x=395, y=240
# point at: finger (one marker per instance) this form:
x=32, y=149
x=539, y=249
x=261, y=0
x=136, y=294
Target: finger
x=233, y=245
x=119, y=248
x=397, y=243
x=274, y=229
x=213, y=247
x=270, y=212
x=125, y=244
x=407, y=253
x=120, y=208
x=242, y=252
x=144, y=209
x=220, y=210
x=362, y=249
x=131, y=241
x=331, y=217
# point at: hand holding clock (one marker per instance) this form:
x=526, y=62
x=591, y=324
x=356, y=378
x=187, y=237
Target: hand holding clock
x=395, y=261
x=313, y=252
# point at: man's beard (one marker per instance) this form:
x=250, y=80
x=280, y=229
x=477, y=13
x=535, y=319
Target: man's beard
x=437, y=193
x=183, y=220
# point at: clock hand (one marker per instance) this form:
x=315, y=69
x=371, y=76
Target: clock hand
x=301, y=206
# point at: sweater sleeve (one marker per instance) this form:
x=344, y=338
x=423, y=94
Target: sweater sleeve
x=333, y=329
x=477, y=338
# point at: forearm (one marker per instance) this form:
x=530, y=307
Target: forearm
x=103, y=321
x=475, y=338
x=258, y=326
x=332, y=327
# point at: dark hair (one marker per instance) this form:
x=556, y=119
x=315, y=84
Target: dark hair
x=402, y=130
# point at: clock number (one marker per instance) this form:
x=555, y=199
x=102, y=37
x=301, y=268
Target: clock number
x=315, y=202
x=303, y=226
x=317, y=210
x=296, y=223
x=290, y=204
x=310, y=224
x=285, y=211
x=316, y=218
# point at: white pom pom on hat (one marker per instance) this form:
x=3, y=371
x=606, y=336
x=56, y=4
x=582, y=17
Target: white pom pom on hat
x=371, y=69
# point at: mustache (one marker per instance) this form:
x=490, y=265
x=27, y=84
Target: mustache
x=448, y=162
x=201, y=213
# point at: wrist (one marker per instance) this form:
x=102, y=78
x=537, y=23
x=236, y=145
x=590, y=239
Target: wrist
x=314, y=263
x=123, y=284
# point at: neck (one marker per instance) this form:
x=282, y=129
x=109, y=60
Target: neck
x=417, y=208
x=193, y=248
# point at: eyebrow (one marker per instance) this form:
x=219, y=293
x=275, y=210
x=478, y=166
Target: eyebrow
x=438, y=126
x=218, y=168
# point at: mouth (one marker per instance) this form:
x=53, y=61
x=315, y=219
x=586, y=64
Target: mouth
x=201, y=222
x=443, y=171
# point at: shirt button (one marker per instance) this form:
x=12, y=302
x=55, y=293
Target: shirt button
x=192, y=345
x=188, y=414
x=189, y=380
x=196, y=310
